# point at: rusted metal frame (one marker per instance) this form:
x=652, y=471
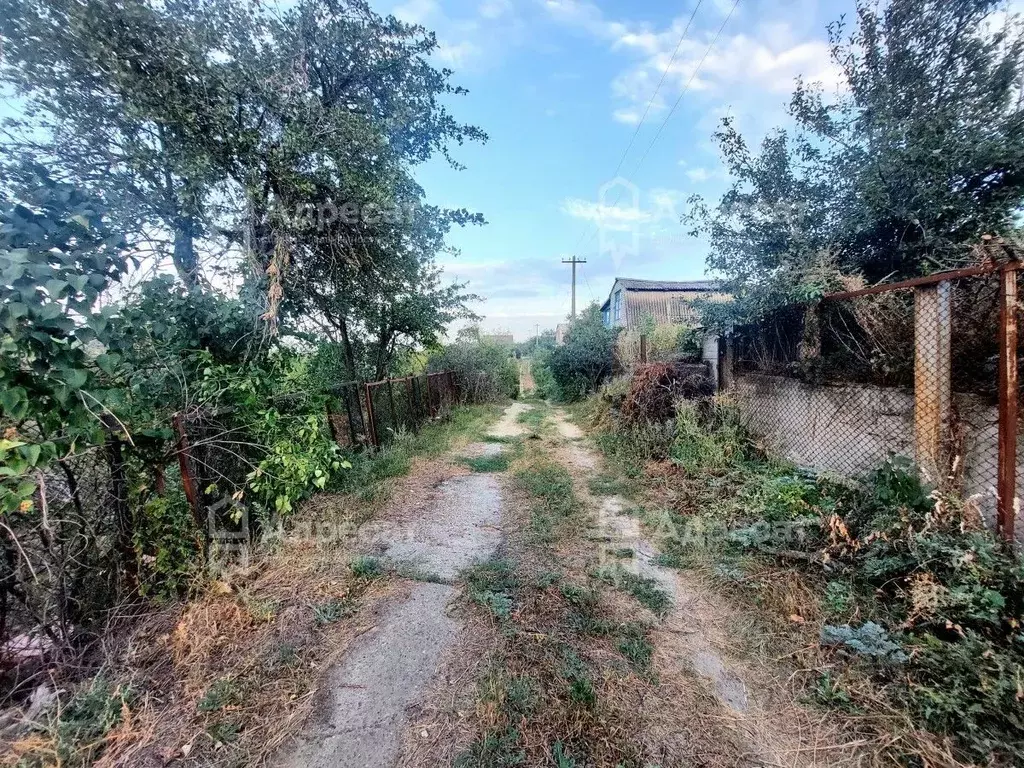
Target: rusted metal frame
x=919, y=282
x=348, y=412
x=123, y=519
x=391, y=405
x=410, y=385
x=1008, y=394
x=933, y=394
x=371, y=420
x=188, y=482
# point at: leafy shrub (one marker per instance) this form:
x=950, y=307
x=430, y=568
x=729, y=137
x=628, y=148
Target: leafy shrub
x=585, y=360
x=484, y=372
x=869, y=639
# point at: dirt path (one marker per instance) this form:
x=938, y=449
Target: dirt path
x=406, y=690
x=364, y=705
x=755, y=709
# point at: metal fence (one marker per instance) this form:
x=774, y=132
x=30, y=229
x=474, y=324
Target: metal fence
x=106, y=510
x=924, y=369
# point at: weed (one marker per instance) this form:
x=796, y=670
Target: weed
x=287, y=655
x=261, y=610
x=636, y=646
x=645, y=590
x=624, y=553
x=551, y=485
x=562, y=760
x=533, y=418
x=498, y=463
x=78, y=729
x=332, y=611
x=222, y=693
x=576, y=672
x=828, y=692
x=606, y=485
x=223, y=731
x=415, y=573
x=546, y=579
x=497, y=749
x=366, y=567
x=490, y=585
x=838, y=599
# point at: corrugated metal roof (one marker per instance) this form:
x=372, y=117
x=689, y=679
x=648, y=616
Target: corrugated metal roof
x=632, y=284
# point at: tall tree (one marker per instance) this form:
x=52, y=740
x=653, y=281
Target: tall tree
x=921, y=152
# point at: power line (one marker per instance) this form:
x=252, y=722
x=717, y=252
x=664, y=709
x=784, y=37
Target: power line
x=650, y=103
x=675, y=106
x=661, y=82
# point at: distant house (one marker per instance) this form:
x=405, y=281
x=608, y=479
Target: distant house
x=632, y=301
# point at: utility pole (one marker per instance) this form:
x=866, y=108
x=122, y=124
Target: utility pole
x=574, y=261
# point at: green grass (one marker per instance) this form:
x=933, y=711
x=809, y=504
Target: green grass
x=608, y=485
x=491, y=584
x=533, y=418
x=370, y=469
x=366, y=567
x=636, y=646
x=550, y=484
x=332, y=610
x=497, y=463
x=645, y=590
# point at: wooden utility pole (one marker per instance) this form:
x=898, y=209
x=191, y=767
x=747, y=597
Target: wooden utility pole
x=574, y=261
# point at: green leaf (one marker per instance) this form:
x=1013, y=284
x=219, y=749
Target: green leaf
x=14, y=401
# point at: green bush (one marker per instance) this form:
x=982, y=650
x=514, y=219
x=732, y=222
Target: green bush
x=484, y=372
x=586, y=358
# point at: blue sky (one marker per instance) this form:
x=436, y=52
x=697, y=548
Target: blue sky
x=560, y=86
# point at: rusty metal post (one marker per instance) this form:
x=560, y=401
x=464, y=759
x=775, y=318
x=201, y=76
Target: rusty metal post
x=410, y=388
x=371, y=419
x=123, y=518
x=391, y=405
x=643, y=348
x=188, y=483
x=1008, y=393
x=933, y=395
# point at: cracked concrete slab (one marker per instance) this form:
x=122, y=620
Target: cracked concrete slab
x=507, y=425
x=386, y=670
x=457, y=527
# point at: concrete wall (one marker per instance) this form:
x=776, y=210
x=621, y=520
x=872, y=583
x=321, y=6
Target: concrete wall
x=851, y=429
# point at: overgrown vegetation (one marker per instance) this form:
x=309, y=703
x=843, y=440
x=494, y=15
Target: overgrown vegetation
x=914, y=598
x=201, y=237
x=909, y=163
x=577, y=367
x=560, y=685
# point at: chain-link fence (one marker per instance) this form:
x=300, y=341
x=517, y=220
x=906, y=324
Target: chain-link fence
x=925, y=370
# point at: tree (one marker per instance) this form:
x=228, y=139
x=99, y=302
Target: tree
x=922, y=153
x=586, y=358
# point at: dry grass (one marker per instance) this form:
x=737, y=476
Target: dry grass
x=230, y=676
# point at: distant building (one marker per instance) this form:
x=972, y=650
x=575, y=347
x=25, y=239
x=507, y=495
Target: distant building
x=632, y=301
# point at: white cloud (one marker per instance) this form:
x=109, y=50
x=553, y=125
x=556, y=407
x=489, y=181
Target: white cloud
x=493, y=9
x=619, y=218
x=627, y=116
x=754, y=65
x=699, y=175
x=458, y=54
